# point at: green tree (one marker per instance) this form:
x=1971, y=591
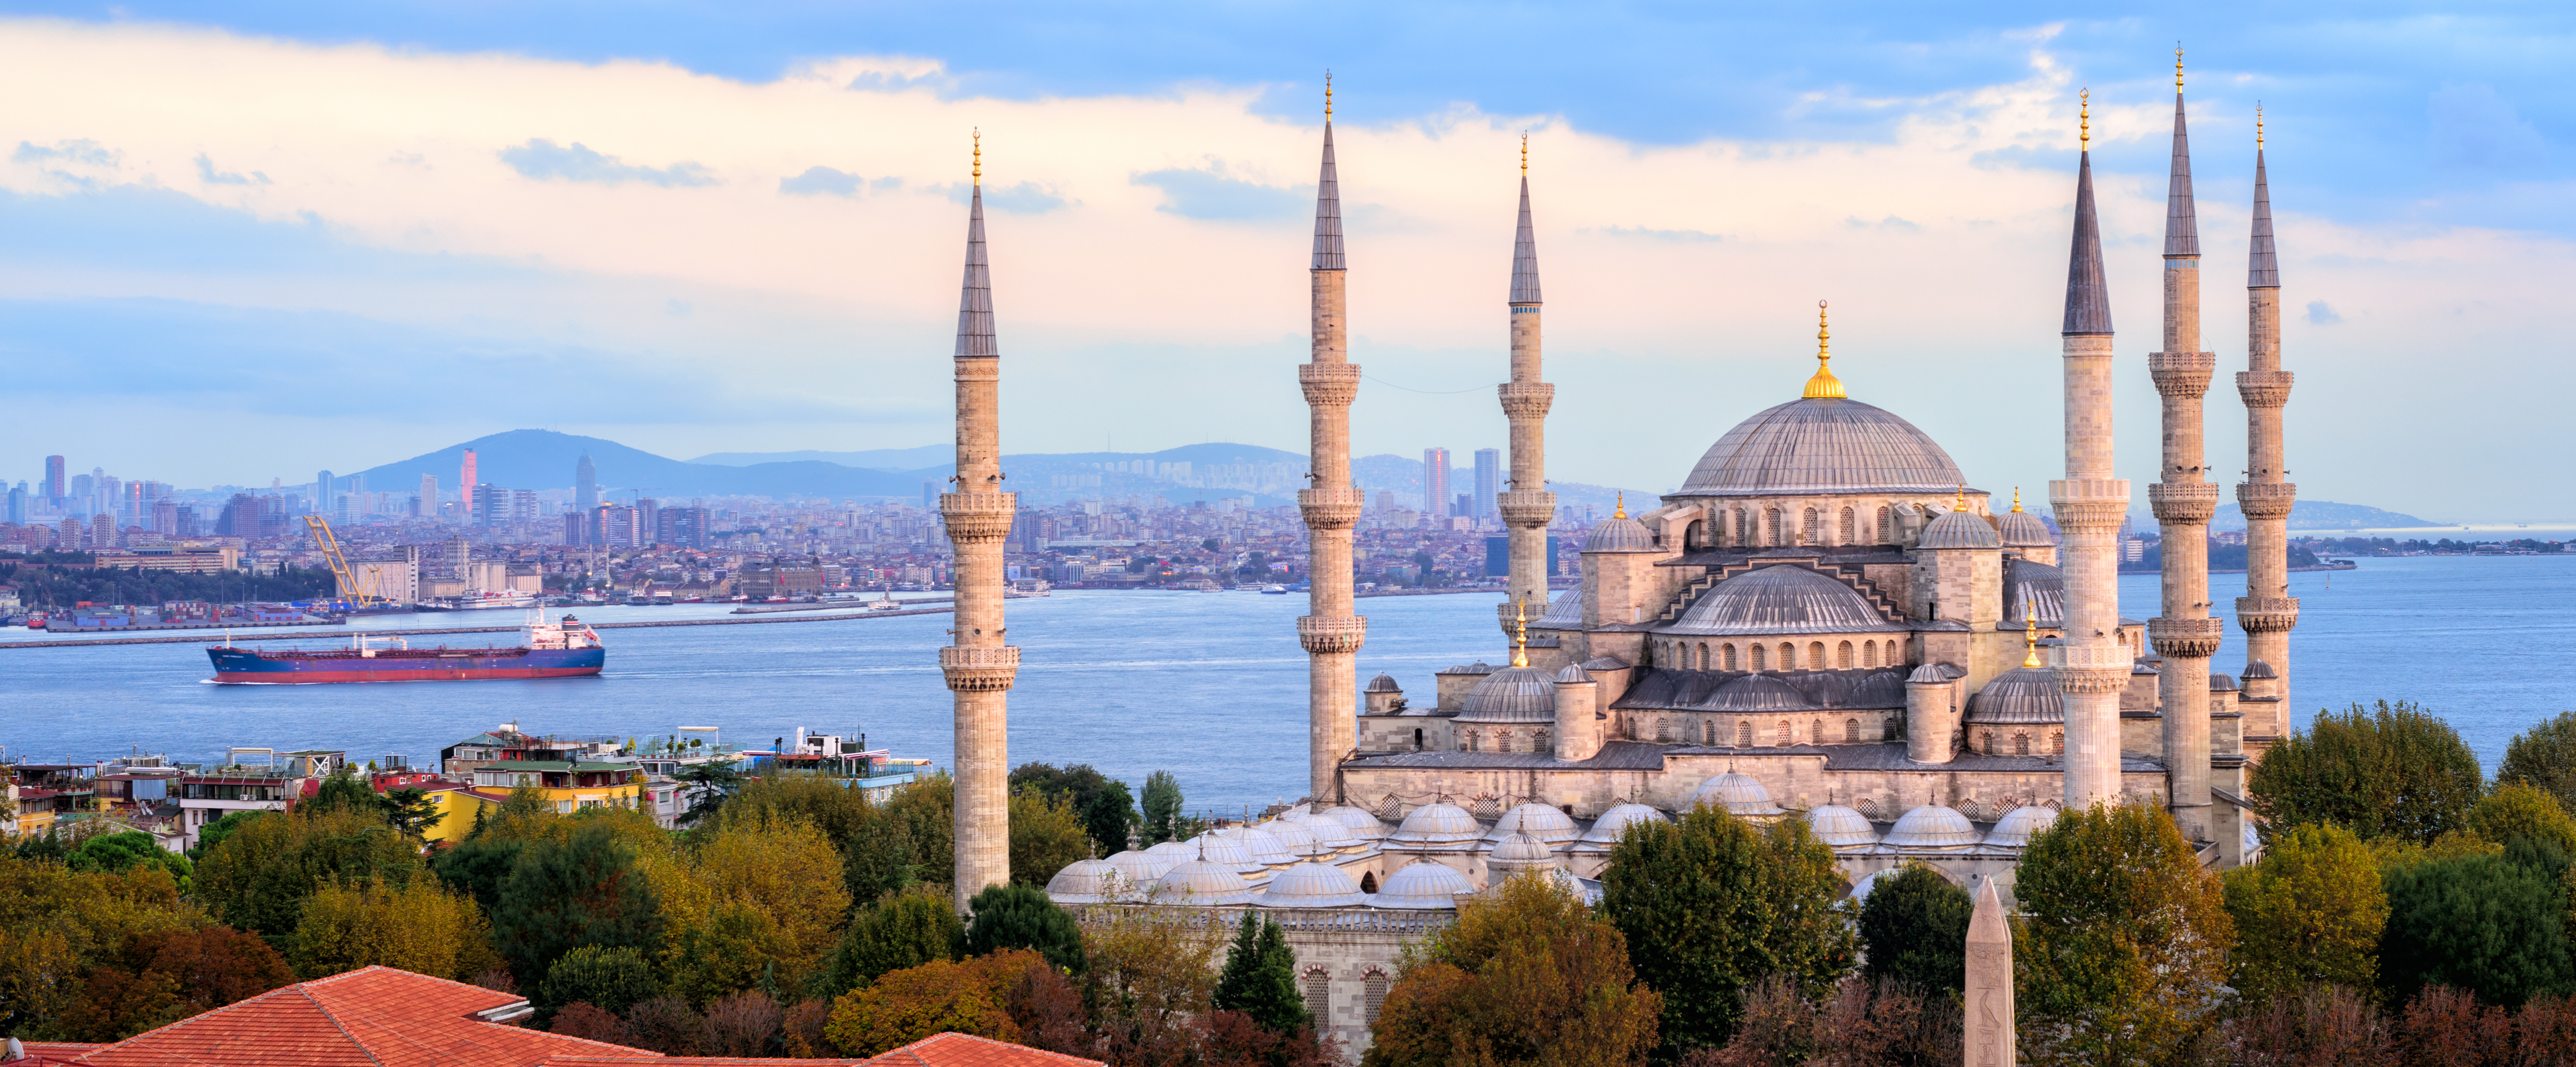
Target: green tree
x=2311, y=913
x=2391, y=771
x=1045, y=836
x=478, y=866
x=411, y=811
x=1260, y=977
x=258, y=877
x=1019, y=916
x=1713, y=903
x=899, y=931
x=2545, y=757
x=1103, y=804
x=561, y=895
x=610, y=979
x=708, y=786
x=2493, y=925
x=1526, y=977
x=1914, y=927
x=1109, y=816
x=121, y=851
x=1162, y=808
x=878, y=859
x=832, y=807
x=214, y=833
x=2123, y=944
x=927, y=808
x=2518, y=810
x=344, y=791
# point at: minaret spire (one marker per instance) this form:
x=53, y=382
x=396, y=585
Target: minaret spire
x=979, y=667
x=1330, y=632
x=2184, y=499
x=2267, y=612
x=1527, y=506
x=2093, y=664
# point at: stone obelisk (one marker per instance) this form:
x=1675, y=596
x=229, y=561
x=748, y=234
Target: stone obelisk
x=2184, y=499
x=1989, y=1024
x=979, y=666
x=1330, y=632
x=1527, y=507
x=2092, y=666
x=2267, y=611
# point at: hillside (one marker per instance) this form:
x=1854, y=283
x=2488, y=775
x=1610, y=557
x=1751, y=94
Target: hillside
x=2324, y=515
x=544, y=459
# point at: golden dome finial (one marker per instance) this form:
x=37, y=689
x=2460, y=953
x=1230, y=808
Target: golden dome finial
x=1621, y=511
x=2258, y=124
x=979, y=155
x=2030, y=634
x=1824, y=386
x=1520, y=633
x=2016, y=499
x=1961, y=504
x=2177, y=66
x=2084, y=116
x=1328, y=98
x=1525, y=154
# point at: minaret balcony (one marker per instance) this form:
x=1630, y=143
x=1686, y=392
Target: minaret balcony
x=2267, y=614
x=2264, y=388
x=1331, y=507
x=2189, y=503
x=1525, y=508
x=2186, y=638
x=1324, y=634
x=1526, y=400
x=2096, y=504
x=1329, y=385
x=973, y=517
x=2266, y=500
x=980, y=670
x=2182, y=373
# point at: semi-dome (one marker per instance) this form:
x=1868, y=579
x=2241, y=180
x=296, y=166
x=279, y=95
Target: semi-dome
x=1563, y=613
x=1203, y=883
x=1085, y=881
x=1513, y=694
x=1841, y=827
x=2033, y=589
x=1139, y=869
x=2221, y=683
x=1605, y=830
x=1573, y=674
x=1757, y=693
x=2021, y=824
x=1619, y=533
x=1537, y=820
x=1785, y=598
x=1312, y=885
x=1440, y=826
x=1823, y=445
x=1360, y=823
x=2020, y=695
x=1295, y=838
x=1935, y=674
x=1422, y=886
x=1959, y=529
x=1735, y=793
x=1328, y=832
x=1931, y=826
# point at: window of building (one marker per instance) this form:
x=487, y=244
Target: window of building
x=1772, y=519
x=1473, y=742
x=2021, y=744
x=1703, y=655
x=1869, y=653
x=1757, y=657
x=1319, y=995
x=1891, y=728
x=1417, y=740
x=1808, y=532
x=1538, y=742
x=1502, y=740
x=1788, y=656
x=1816, y=655
x=1695, y=536
x=1375, y=986
x=1990, y=742
x=1783, y=741
x=2057, y=742
x=1851, y=730
x=1886, y=526
x=1843, y=655
x=1663, y=729
x=1850, y=528
x=1744, y=527
x=1730, y=657
x=1816, y=732
x=1744, y=734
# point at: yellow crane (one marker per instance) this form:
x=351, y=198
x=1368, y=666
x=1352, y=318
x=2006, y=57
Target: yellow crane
x=330, y=545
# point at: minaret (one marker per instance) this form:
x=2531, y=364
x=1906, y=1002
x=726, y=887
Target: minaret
x=2092, y=666
x=2267, y=611
x=1527, y=507
x=2184, y=634
x=979, y=667
x=1331, y=633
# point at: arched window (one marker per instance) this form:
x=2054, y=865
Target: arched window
x=1808, y=532
x=1744, y=527
x=1417, y=740
x=1886, y=526
x=1757, y=657
x=1695, y=536
x=1374, y=985
x=1368, y=883
x=1703, y=655
x=1850, y=528
x=1663, y=729
x=1891, y=728
x=1843, y=655
x=1773, y=520
x=1502, y=740
x=1851, y=730
x=1319, y=995
x=1708, y=731
x=1744, y=733
x=1538, y=743
x=1472, y=739
x=1788, y=656
x=1990, y=742
x=1816, y=655
x=1784, y=741
x=2021, y=744
x=2057, y=742
x=1869, y=653
x=1816, y=732
x=1730, y=657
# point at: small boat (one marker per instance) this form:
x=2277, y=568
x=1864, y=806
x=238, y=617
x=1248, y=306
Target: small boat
x=1274, y=590
x=886, y=602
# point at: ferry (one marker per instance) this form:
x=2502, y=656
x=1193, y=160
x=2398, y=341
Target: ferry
x=569, y=649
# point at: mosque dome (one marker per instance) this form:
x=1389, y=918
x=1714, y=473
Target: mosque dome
x=2021, y=824
x=1605, y=830
x=1328, y=831
x=1931, y=826
x=1204, y=883
x=1573, y=674
x=1229, y=852
x=1781, y=599
x=1619, y=533
x=1513, y=694
x=1735, y=793
x=1174, y=852
x=1935, y=674
x=1819, y=445
x=1959, y=529
x=1521, y=848
x=2033, y=588
x=1085, y=881
x=1295, y=838
x=1312, y=885
x=1139, y=869
x=2220, y=683
x=2021, y=529
x=2019, y=695
x=1360, y=823
x=1436, y=826
x=1264, y=848
x=1563, y=613
x=1757, y=693
x=1423, y=886
x=1538, y=821
x=1383, y=683
x=1841, y=827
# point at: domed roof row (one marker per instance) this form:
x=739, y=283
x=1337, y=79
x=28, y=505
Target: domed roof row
x=1931, y=826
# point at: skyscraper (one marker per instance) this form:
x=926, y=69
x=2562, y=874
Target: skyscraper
x=466, y=480
x=324, y=488
x=54, y=487
x=1489, y=480
x=1435, y=482
x=585, y=484
x=428, y=496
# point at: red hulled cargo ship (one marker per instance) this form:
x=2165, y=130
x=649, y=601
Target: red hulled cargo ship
x=569, y=649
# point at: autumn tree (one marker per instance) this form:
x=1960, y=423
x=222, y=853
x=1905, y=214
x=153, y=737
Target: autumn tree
x=56, y=924
x=2123, y=942
x=2519, y=809
x=1045, y=836
x=343, y=791
x=1526, y=975
x=1018, y=917
x=563, y=894
x=420, y=926
x=2393, y=771
x=927, y=809
x=164, y=976
x=1260, y=977
x=259, y=877
x=1151, y=976
x=1103, y=804
x=751, y=906
x=901, y=1007
x=2310, y=913
x=610, y=979
x=2544, y=757
x=1713, y=903
x=822, y=802
x=1914, y=926
x=899, y=931
x=877, y=859
x=121, y=851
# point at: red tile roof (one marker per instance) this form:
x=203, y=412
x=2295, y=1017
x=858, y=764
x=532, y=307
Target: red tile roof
x=373, y=1017
x=968, y=1050
x=47, y=1053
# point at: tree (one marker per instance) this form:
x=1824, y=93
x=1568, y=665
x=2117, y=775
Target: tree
x=121, y=851
x=1045, y=836
x=57, y=923
x=1867, y=1022
x=2520, y=809
x=927, y=808
x=2544, y=757
x=2123, y=944
x=877, y=858
x=411, y=811
x=900, y=931
x=1151, y=976
x=420, y=927
x=901, y=1007
x=161, y=977
x=1103, y=804
x=610, y=979
x=1525, y=976
x=1018, y=917
x=561, y=895
x=343, y=791
x=478, y=866
x=2487, y=924
x=257, y=878
x=2310, y=913
x=1260, y=978
x=1109, y=816
x=1914, y=926
x=822, y=802
x=1712, y=904
x=752, y=905
x=1162, y=808
x=2392, y=771
x=708, y=786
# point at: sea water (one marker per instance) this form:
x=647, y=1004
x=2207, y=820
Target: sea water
x=1208, y=686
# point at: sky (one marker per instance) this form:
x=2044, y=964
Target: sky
x=243, y=242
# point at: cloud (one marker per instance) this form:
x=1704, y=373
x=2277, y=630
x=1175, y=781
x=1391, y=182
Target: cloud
x=542, y=159
x=2475, y=127
x=1213, y=195
x=84, y=152
x=1026, y=198
x=1891, y=223
x=1686, y=236
x=822, y=181
x=207, y=173
x=2322, y=313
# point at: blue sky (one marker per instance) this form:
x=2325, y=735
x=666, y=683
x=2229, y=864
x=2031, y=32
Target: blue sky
x=709, y=227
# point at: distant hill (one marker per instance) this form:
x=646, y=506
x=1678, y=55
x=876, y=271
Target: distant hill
x=2324, y=515
x=544, y=459
x=883, y=459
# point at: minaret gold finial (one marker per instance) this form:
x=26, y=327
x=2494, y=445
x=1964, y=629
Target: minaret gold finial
x=2177, y=66
x=2030, y=634
x=2258, y=124
x=1824, y=386
x=1328, y=98
x=1520, y=633
x=2084, y=115
x=1621, y=511
x=1524, y=155
x=979, y=155
x=2016, y=500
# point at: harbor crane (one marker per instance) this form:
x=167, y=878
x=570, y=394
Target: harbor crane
x=364, y=597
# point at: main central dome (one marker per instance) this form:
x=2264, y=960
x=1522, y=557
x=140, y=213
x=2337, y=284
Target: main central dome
x=1823, y=445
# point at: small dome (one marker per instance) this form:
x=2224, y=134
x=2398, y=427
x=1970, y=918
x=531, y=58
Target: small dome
x=1785, y=598
x=1230, y=852
x=1422, y=886
x=1605, y=830
x=2019, y=695
x=1383, y=684
x=1312, y=885
x=2021, y=824
x=1521, y=848
x=2220, y=683
x=1138, y=869
x=1620, y=533
x=1537, y=820
x=1573, y=674
x=1513, y=694
x=1841, y=827
x=1436, y=826
x=1295, y=838
x=1328, y=831
x=1931, y=826
x=1563, y=613
x=1735, y=793
x=1084, y=881
x=2259, y=669
x=2021, y=529
x=1174, y=852
x=1959, y=529
x=1822, y=446
x=1203, y=883
x=1264, y=848
x=2033, y=589
x=1933, y=674
x=1361, y=824
x=1757, y=693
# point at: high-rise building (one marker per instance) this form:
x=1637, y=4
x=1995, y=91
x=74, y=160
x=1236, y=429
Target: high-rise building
x=486, y=500
x=55, y=489
x=467, y=476
x=648, y=520
x=617, y=527
x=325, y=488
x=102, y=530
x=1435, y=482
x=18, y=505
x=1489, y=480
x=929, y=493
x=681, y=527
x=427, y=506
x=585, y=484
